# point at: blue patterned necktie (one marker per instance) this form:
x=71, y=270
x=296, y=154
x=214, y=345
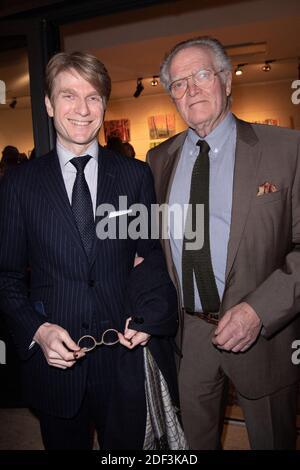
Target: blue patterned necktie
x=82, y=204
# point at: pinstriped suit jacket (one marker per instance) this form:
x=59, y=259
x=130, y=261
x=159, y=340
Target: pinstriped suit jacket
x=37, y=229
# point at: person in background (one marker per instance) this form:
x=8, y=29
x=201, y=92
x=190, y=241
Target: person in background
x=128, y=150
x=115, y=144
x=10, y=158
x=22, y=158
x=81, y=284
x=239, y=287
x=32, y=155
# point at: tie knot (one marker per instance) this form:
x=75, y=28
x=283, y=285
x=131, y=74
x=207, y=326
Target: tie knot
x=80, y=162
x=204, y=147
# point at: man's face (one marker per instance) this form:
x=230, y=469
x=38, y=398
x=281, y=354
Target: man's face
x=77, y=110
x=202, y=109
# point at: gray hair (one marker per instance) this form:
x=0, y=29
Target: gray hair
x=220, y=57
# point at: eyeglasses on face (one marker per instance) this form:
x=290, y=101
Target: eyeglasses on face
x=203, y=78
x=109, y=338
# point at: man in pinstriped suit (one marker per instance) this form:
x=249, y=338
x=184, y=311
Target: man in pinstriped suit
x=77, y=291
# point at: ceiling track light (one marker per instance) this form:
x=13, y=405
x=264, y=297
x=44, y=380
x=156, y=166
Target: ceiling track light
x=267, y=65
x=239, y=71
x=139, y=87
x=154, y=81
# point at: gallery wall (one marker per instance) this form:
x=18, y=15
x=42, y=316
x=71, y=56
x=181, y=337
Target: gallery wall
x=255, y=102
x=260, y=102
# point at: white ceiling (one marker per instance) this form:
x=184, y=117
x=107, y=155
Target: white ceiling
x=132, y=44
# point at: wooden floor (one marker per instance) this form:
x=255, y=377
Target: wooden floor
x=19, y=430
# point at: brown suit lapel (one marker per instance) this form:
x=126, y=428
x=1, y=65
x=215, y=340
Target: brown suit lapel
x=247, y=158
x=167, y=177
x=170, y=163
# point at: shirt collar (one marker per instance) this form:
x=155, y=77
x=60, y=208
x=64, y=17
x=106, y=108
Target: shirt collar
x=217, y=138
x=65, y=155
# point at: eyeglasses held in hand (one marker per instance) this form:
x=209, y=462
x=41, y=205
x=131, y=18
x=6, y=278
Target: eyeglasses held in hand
x=202, y=78
x=109, y=338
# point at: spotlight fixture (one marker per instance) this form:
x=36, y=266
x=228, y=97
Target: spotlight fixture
x=154, y=81
x=238, y=71
x=13, y=103
x=139, y=87
x=267, y=65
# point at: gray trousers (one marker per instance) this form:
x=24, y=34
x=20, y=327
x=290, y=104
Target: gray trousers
x=270, y=420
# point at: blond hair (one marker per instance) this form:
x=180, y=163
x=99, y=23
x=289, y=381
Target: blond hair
x=88, y=67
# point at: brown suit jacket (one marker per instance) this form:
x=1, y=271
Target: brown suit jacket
x=263, y=260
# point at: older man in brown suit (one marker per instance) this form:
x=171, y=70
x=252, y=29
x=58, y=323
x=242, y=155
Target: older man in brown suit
x=240, y=291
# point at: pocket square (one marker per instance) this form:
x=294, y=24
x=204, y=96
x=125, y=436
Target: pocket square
x=118, y=213
x=266, y=188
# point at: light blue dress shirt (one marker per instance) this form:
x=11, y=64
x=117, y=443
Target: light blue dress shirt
x=222, y=143
x=69, y=171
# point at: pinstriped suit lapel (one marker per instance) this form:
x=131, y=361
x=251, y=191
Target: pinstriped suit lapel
x=106, y=189
x=247, y=158
x=52, y=184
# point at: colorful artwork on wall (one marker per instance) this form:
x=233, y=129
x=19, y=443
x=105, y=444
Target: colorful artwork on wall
x=161, y=126
x=117, y=128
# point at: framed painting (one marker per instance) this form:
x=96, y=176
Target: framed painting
x=161, y=126
x=117, y=128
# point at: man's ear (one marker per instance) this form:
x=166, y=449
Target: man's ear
x=49, y=106
x=228, y=83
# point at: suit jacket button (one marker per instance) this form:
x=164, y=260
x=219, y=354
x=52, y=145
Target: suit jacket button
x=91, y=283
x=138, y=320
x=85, y=325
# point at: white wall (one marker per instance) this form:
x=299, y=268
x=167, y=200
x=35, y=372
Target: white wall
x=270, y=100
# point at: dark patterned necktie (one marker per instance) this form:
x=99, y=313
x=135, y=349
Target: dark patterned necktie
x=82, y=204
x=198, y=261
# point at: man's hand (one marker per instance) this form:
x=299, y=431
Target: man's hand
x=133, y=338
x=56, y=344
x=238, y=329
